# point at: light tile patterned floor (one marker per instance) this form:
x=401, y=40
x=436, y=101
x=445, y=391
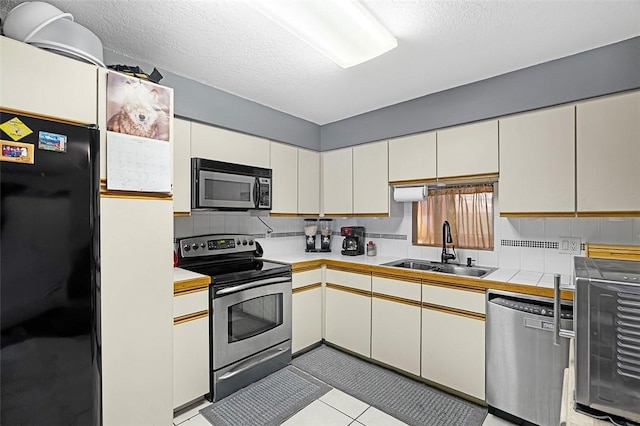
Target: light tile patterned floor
x=335, y=408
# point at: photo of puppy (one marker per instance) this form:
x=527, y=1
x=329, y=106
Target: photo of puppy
x=137, y=108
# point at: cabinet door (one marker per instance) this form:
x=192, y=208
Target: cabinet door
x=307, y=318
x=284, y=163
x=348, y=321
x=468, y=150
x=181, y=166
x=453, y=351
x=413, y=158
x=371, y=179
x=608, y=154
x=337, y=181
x=46, y=83
x=190, y=361
x=232, y=147
x=395, y=323
x=308, y=182
x=537, y=162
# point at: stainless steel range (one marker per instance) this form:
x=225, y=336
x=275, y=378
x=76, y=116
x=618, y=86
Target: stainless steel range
x=249, y=309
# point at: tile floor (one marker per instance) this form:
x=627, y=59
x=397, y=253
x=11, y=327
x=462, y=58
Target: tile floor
x=335, y=408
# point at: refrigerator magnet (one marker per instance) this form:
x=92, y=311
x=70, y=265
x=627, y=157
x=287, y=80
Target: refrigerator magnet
x=16, y=152
x=52, y=142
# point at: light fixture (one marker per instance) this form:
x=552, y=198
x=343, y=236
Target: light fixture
x=342, y=30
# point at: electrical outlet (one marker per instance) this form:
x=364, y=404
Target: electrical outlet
x=569, y=245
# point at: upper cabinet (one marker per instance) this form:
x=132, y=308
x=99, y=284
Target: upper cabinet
x=537, y=163
x=232, y=147
x=337, y=181
x=608, y=155
x=468, y=151
x=284, y=163
x=181, y=167
x=308, y=182
x=370, y=179
x=45, y=83
x=413, y=158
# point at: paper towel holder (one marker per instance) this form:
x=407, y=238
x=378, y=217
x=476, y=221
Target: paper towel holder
x=410, y=193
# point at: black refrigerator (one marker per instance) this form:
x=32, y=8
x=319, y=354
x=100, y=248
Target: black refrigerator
x=49, y=273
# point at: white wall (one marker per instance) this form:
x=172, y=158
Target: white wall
x=393, y=237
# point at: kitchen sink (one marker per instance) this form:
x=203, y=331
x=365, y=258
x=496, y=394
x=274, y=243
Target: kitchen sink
x=446, y=268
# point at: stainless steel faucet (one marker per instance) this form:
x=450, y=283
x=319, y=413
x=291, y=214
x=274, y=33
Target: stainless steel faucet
x=446, y=238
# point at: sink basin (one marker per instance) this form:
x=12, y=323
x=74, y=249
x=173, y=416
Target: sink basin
x=446, y=268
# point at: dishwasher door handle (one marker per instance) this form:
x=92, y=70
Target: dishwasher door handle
x=557, y=331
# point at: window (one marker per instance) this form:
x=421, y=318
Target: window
x=469, y=210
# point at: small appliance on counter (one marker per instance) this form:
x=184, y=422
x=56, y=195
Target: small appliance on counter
x=325, y=235
x=353, y=243
x=310, y=231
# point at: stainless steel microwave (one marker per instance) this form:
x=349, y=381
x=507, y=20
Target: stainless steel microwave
x=607, y=359
x=217, y=185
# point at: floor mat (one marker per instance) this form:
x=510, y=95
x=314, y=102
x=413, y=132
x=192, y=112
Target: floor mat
x=408, y=400
x=269, y=401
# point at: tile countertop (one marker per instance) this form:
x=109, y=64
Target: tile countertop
x=506, y=275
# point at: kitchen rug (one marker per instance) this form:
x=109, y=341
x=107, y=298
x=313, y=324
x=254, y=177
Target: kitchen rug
x=413, y=402
x=269, y=401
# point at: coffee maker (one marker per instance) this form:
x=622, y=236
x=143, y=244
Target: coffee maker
x=353, y=243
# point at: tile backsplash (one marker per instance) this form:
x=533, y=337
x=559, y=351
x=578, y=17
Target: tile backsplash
x=525, y=244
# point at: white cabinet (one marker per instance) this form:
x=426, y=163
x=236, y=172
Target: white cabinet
x=136, y=311
x=453, y=338
x=348, y=311
x=467, y=151
x=537, y=163
x=413, y=158
x=307, y=309
x=608, y=155
x=337, y=182
x=453, y=351
x=37, y=81
x=284, y=163
x=395, y=323
x=190, y=347
x=308, y=182
x=181, y=167
x=219, y=144
x=370, y=179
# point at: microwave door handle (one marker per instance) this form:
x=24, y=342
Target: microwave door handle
x=256, y=193
x=557, y=331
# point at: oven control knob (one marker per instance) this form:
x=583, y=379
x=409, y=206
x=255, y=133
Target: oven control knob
x=244, y=242
x=187, y=247
x=250, y=242
x=195, y=246
x=202, y=245
x=238, y=242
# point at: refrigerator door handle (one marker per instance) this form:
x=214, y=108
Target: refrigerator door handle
x=557, y=331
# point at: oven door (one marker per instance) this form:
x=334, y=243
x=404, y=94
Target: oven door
x=226, y=190
x=248, y=318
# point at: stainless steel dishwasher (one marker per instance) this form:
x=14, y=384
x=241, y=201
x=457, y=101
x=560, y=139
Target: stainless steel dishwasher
x=524, y=369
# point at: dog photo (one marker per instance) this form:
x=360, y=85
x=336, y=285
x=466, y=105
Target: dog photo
x=138, y=108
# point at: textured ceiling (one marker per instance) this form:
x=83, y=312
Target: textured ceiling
x=441, y=44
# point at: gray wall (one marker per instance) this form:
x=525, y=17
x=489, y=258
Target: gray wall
x=610, y=69
x=597, y=72
x=207, y=104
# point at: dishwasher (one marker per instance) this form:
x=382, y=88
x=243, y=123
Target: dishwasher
x=524, y=369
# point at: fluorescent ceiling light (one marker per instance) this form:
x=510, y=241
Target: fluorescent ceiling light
x=342, y=30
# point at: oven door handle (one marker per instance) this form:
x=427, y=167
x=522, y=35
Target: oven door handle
x=252, y=284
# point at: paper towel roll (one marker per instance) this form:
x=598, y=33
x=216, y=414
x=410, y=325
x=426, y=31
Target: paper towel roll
x=408, y=194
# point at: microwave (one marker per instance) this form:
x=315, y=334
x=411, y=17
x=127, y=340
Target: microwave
x=216, y=185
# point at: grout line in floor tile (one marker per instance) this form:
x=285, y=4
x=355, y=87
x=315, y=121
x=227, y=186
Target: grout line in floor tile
x=337, y=409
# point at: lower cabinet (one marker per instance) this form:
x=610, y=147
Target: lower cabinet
x=453, y=339
x=395, y=323
x=348, y=311
x=307, y=309
x=190, y=347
